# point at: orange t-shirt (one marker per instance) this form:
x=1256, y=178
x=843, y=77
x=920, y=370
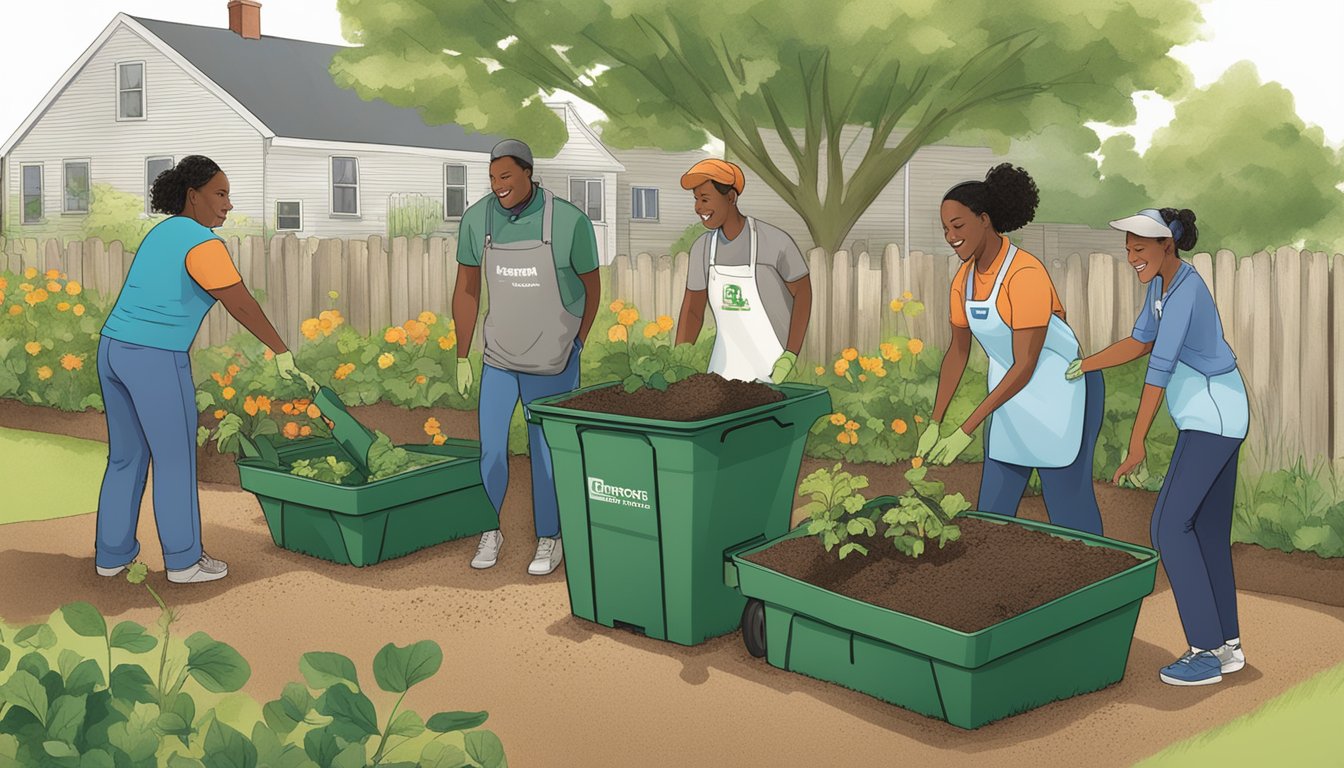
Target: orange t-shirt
x=210, y=265
x=1026, y=300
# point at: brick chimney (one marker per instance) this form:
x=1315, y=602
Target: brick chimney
x=245, y=18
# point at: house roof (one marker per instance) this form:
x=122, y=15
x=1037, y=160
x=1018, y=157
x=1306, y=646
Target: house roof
x=286, y=84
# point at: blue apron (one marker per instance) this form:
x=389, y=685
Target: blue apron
x=1042, y=425
x=1214, y=404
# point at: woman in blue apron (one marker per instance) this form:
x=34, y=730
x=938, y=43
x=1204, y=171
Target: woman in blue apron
x=1003, y=297
x=1191, y=363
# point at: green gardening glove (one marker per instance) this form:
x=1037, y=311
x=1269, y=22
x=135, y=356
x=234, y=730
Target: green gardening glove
x=783, y=367
x=284, y=365
x=950, y=447
x=1138, y=478
x=927, y=440
x=1075, y=370
x=463, y=376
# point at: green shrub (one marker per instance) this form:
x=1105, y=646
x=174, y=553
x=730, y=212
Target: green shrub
x=49, y=331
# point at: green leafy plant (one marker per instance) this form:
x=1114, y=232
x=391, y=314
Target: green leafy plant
x=836, y=509
x=659, y=367
x=923, y=514
x=387, y=460
x=327, y=469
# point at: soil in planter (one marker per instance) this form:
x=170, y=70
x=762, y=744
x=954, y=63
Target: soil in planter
x=700, y=396
x=994, y=572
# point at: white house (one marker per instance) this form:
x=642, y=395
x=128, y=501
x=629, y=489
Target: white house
x=303, y=155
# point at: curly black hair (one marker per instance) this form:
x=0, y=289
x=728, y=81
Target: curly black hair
x=1186, y=218
x=169, y=191
x=1008, y=194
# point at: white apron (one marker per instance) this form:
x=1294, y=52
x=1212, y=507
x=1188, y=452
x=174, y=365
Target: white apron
x=1042, y=425
x=745, y=345
x=1199, y=403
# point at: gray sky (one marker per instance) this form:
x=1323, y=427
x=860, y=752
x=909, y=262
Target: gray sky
x=1298, y=44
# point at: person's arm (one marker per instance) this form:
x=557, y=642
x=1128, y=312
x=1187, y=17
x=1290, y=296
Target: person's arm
x=802, y=312
x=954, y=365
x=466, y=305
x=696, y=297
x=1123, y=351
x=240, y=303
x=1027, y=345
x=592, y=295
x=1177, y=313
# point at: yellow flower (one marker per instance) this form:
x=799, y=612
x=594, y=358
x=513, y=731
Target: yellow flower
x=32, y=347
x=841, y=367
x=36, y=297
x=395, y=335
x=310, y=328
x=907, y=296
x=417, y=331
x=863, y=377
x=54, y=287
x=897, y=305
x=30, y=273
x=263, y=404
x=850, y=354
x=821, y=370
x=15, y=309
x=915, y=346
x=333, y=295
x=43, y=373
x=250, y=406
x=852, y=426
x=848, y=438
x=898, y=426
x=881, y=373
x=326, y=326
x=220, y=413
x=291, y=430
x=305, y=431
x=617, y=333
x=838, y=419
x=268, y=355
x=433, y=427
x=343, y=370
x=617, y=305
x=71, y=362
x=26, y=287
x=2, y=298
x=329, y=320
x=228, y=393
x=4, y=284
x=651, y=330
x=665, y=323
x=916, y=462
x=64, y=306
x=421, y=379
x=233, y=370
x=73, y=288
x=440, y=439
x=628, y=316
x=53, y=274
x=386, y=360
x=313, y=411
x=79, y=310
x=428, y=318
x=919, y=419
x=449, y=341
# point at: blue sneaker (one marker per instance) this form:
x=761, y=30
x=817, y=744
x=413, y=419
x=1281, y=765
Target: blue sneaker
x=1201, y=668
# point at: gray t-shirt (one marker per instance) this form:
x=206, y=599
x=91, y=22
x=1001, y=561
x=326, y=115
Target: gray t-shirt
x=778, y=261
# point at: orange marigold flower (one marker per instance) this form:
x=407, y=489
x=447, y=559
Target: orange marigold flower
x=440, y=439
x=617, y=305
x=288, y=409
x=665, y=322
x=220, y=413
x=291, y=430
x=417, y=331
x=268, y=355
x=263, y=404
x=432, y=426
x=421, y=379
x=26, y=287
x=820, y=370
x=32, y=347
x=916, y=462
x=838, y=419
x=395, y=335
x=899, y=426
x=305, y=430
x=343, y=370
x=73, y=288
x=310, y=328
x=15, y=309
x=228, y=393
x=851, y=354
x=250, y=406
x=843, y=437
x=448, y=342
x=881, y=372
x=852, y=426
x=386, y=360
x=233, y=370
x=919, y=419
x=628, y=316
x=36, y=297
x=71, y=362
x=325, y=326
x=897, y=305
x=841, y=367
x=863, y=377
x=4, y=284
x=907, y=296
x=651, y=330
x=44, y=373
x=53, y=274
x=79, y=310
x=54, y=287
x=30, y=273
x=64, y=306
x=312, y=411
x=915, y=346
x=428, y=318
x=617, y=333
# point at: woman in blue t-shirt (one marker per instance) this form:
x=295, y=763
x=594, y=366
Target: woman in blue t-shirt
x=1191, y=363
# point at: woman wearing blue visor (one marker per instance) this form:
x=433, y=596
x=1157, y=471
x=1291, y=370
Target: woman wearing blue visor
x=1191, y=363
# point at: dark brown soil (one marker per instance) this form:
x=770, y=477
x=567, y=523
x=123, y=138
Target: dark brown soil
x=994, y=572
x=700, y=396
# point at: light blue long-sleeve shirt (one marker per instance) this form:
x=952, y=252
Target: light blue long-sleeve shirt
x=1188, y=329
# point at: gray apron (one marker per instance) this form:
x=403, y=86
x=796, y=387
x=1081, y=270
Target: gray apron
x=527, y=328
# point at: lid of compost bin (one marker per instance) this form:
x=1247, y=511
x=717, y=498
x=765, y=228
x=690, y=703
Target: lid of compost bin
x=354, y=438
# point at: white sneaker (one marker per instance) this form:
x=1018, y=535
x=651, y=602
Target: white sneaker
x=109, y=571
x=487, y=552
x=1230, y=657
x=205, y=569
x=549, y=554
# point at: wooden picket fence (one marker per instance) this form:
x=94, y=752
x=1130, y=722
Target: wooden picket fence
x=1283, y=312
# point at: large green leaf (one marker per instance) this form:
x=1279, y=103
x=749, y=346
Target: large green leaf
x=136, y=736
x=215, y=665
x=60, y=750
x=84, y=678
x=23, y=690
x=408, y=724
x=65, y=718
x=286, y=713
x=177, y=716
x=353, y=716
x=97, y=758
x=320, y=746
x=353, y=756
x=323, y=670
x=439, y=755
x=273, y=753
x=227, y=748
x=397, y=669
x=486, y=749
x=84, y=619
x=130, y=683
x=5, y=655
x=179, y=761
x=38, y=637
x=130, y=636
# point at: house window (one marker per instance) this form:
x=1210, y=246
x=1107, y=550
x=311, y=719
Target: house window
x=454, y=191
x=131, y=91
x=288, y=216
x=153, y=167
x=76, y=198
x=345, y=186
x=644, y=203
x=32, y=193
x=586, y=194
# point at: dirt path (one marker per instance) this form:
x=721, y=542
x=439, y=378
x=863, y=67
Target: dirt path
x=564, y=692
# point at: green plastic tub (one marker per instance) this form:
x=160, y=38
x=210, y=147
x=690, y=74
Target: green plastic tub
x=367, y=524
x=648, y=507
x=1072, y=645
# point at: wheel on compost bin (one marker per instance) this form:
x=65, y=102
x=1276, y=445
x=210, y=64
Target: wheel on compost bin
x=753, y=627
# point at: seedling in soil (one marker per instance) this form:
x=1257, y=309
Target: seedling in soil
x=836, y=509
x=924, y=513
x=662, y=366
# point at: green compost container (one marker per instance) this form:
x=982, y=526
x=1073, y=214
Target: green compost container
x=366, y=524
x=1074, y=644
x=648, y=507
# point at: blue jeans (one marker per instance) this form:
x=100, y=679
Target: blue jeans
x=1192, y=530
x=1070, y=499
x=500, y=391
x=150, y=402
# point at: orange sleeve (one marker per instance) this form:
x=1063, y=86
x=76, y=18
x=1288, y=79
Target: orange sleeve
x=1031, y=298
x=957, y=304
x=210, y=265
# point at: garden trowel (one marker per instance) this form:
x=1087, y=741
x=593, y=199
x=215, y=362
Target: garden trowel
x=354, y=438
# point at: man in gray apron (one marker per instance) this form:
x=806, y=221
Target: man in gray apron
x=539, y=257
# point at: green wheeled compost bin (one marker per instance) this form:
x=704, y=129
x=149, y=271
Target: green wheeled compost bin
x=1074, y=644
x=648, y=507
x=368, y=523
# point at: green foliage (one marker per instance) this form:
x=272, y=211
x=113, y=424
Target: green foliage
x=660, y=366
x=387, y=460
x=1294, y=509
x=118, y=216
x=327, y=469
x=670, y=71
x=48, y=349
x=687, y=238
x=924, y=513
x=836, y=509
x=410, y=215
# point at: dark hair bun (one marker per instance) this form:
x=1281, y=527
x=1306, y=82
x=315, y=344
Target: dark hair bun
x=1186, y=218
x=168, y=194
x=1012, y=197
